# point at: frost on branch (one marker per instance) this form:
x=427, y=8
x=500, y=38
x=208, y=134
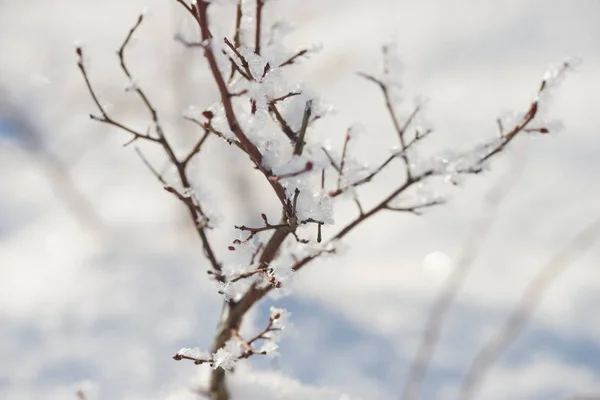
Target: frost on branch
x=238, y=348
x=226, y=356
x=194, y=354
x=280, y=317
x=271, y=122
x=270, y=349
x=556, y=75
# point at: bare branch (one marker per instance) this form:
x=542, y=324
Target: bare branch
x=257, y=32
x=416, y=209
x=306, y=117
x=331, y=160
x=196, y=149
x=307, y=168
x=400, y=130
x=293, y=58
x=247, y=344
x=208, y=127
x=150, y=167
x=246, y=72
x=285, y=96
x=342, y=160
x=418, y=136
x=196, y=361
x=282, y=122
x=105, y=118
x=197, y=215
x=367, y=178
x=267, y=227
x=237, y=34
x=188, y=8
x=137, y=89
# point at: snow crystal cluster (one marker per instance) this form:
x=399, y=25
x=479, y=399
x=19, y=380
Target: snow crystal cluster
x=233, y=350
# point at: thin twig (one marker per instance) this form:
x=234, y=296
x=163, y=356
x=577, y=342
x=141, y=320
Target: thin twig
x=367, y=178
x=257, y=32
x=300, y=141
x=307, y=168
x=416, y=209
x=236, y=35
x=138, y=90
x=150, y=167
x=282, y=122
x=247, y=72
x=198, y=217
x=400, y=130
x=285, y=96
x=196, y=149
x=343, y=159
x=105, y=118
x=293, y=58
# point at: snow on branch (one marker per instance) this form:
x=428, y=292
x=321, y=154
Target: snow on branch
x=270, y=120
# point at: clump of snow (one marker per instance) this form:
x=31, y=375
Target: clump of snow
x=194, y=352
x=227, y=355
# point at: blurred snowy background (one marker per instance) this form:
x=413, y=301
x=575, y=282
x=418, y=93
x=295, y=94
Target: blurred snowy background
x=102, y=278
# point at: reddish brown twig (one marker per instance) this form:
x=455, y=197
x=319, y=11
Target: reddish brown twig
x=210, y=128
x=267, y=227
x=246, y=72
x=342, y=160
x=196, y=149
x=400, y=129
x=285, y=96
x=293, y=58
x=285, y=128
x=258, y=26
x=299, y=147
x=416, y=209
x=197, y=361
x=236, y=35
x=200, y=10
x=307, y=168
x=195, y=210
x=247, y=344
x=105, y=118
